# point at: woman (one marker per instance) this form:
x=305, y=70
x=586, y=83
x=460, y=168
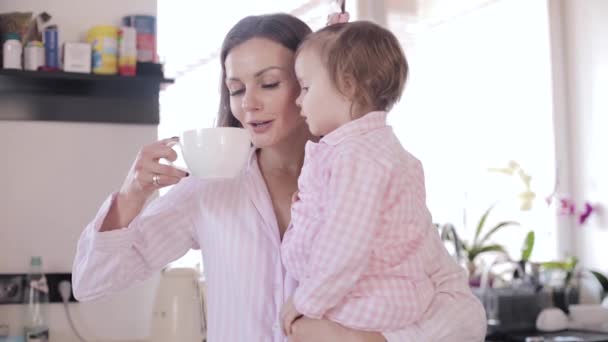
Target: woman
x=238, y=223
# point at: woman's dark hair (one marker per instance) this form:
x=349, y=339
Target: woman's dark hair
x=284, y=29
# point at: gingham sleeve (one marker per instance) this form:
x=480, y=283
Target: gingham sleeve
x=343, y=245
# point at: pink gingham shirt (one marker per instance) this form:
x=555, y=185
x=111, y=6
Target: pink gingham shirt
x=357, y=229
x=233, y=222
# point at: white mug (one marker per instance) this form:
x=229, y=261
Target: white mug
x=219, y=152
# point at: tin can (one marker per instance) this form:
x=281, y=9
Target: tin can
x=145, y=26
x=127, y=51
x=104, y=49
x=33, y=56
x=51, y=47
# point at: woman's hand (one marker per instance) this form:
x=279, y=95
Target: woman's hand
x=146, y=175
x=289, y=315
x=312, y=330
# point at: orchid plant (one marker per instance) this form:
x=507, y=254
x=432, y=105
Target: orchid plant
x=527, y=196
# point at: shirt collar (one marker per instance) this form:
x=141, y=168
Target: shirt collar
x=367, y=123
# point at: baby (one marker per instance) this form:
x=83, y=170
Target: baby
x=360, y=217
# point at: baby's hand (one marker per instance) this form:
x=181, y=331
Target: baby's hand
x=295, y=197
x=289, y=314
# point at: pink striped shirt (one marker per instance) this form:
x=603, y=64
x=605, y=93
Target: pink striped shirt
x=233, y=222
x=357, y=228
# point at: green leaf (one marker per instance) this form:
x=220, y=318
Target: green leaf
x=465, y=246
x=492, y=248
x=555, y=265
x=497, y=228
x=475, y=251
x=601, y=279
x=526, y=249
x=482, y=221
x=567, y=265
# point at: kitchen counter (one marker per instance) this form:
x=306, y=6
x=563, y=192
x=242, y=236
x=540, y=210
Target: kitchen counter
x=563, y=336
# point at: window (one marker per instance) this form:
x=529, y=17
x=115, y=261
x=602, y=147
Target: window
x=479, y=95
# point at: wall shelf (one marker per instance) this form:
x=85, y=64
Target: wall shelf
x=61, y=96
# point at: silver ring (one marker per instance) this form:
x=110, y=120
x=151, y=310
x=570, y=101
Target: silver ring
x=155, y=180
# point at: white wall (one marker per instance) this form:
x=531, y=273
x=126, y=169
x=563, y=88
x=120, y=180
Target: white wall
x=581, y=28
x=54, y=176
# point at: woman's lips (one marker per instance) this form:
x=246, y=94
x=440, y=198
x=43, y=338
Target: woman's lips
x=260, y=126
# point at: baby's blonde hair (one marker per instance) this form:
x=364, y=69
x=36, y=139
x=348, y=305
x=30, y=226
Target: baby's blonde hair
x=367, y=53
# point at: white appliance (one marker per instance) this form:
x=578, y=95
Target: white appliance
x=179, y=310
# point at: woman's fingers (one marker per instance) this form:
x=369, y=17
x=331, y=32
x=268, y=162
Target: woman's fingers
x=150, y=181
x=148, y=174
x=166, y=170
x=159, y=150
x=287, y=321
x=161, y=181
x=283, y=323
x=168, y=140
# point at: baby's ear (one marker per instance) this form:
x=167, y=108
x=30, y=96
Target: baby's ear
x=349, y=86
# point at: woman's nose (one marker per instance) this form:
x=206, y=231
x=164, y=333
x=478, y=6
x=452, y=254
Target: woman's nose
x=251, y=101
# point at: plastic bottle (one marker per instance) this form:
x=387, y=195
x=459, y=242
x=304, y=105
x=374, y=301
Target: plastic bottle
x=36, y=301
x=33, y=55
x=11, y=52
x=127, y=51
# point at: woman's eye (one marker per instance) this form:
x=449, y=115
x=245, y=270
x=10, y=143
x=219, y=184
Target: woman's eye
x=270, y=85
x=304, y=88
x=236, y=92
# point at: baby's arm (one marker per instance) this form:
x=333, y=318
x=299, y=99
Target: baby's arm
x=343, y=245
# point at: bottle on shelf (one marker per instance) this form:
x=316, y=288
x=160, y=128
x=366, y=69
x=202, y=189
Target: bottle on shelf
x=11, y=52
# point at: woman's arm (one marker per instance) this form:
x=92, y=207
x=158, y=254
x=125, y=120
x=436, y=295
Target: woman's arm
x=123, y=245
x=308, y=330
x=145, y=177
